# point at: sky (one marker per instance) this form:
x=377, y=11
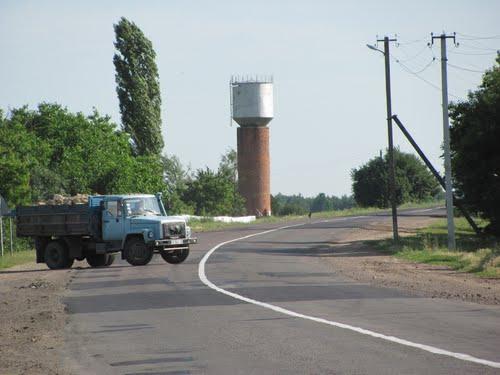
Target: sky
x=329, y=87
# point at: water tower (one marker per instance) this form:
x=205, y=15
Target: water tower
x=252, y=109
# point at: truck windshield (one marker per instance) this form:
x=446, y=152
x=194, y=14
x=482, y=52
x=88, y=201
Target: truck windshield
x=141, y=206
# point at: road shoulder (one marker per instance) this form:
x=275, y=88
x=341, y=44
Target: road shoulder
x=359, y=261
x=32, y=319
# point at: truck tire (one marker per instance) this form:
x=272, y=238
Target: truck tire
x=111, y=259
x=136, y=252
x=56, y=256
x=97, y=260
x=175, y=257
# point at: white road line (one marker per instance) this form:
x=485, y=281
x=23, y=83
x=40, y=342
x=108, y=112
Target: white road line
x=431, y=349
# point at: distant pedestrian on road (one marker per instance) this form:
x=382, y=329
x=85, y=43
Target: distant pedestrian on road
x=309, y=214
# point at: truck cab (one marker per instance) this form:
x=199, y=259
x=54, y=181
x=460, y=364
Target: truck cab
x=138, y=225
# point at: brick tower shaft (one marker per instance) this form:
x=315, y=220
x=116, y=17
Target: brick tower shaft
x=253, y=169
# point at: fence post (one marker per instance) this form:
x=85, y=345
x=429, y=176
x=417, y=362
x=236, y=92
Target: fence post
x=11, y=236
x=1, y=233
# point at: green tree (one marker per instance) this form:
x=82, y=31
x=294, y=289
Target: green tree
x=176, y=178
x=210, y=193
x=370, y=183
x=138, y=88
x=290, y=204
x=229, y=165
x=413, y=181
x=298, y=205
x=215, y=193
x=21, y=153
x=51, y=150
x=228, y=168
x=276, y=205
x=321, y=203
x=475, y=150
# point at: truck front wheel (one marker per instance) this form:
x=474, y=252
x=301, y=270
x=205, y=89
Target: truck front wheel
x=136, y=252
x=56, y=256
x=175, y=257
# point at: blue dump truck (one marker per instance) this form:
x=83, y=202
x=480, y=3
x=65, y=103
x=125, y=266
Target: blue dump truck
x=137, y=226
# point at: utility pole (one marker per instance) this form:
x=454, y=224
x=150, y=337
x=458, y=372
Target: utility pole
x=392, y=178
x=446, y=139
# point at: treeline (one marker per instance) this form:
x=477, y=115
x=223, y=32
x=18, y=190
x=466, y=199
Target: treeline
x=282, y=205
x=51, y=151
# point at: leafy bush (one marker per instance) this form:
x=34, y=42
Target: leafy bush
x=414, y=183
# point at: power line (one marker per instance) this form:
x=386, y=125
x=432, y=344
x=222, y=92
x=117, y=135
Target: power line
x=477, y=67
x=475, y=37
x=479, y=48
x=420, y=70
x=474, y=53
x=410, y=58
x=410, y=42
x=417, y=74
x=466, y=69
x=456, y=74
x=426, y=66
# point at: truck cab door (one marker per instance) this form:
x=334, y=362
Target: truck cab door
x=112, y=221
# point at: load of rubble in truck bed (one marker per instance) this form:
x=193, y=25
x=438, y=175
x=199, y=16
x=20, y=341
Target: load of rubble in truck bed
x=59, y=199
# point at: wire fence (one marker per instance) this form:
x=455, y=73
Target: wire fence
x=9, y=243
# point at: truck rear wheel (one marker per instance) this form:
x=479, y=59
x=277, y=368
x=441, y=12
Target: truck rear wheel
x=175, y=257
x=97, y=260
x=136, y=252
x=56, y=256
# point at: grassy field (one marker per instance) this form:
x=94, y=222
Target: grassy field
x=206, y=225
x=17, y=257
x=475, y=254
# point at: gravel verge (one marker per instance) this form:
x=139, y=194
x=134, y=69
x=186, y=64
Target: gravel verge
x=32, y=319
x=362, y=263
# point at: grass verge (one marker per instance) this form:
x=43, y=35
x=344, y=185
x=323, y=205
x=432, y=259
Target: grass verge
x=479, y=255
x=17, y=257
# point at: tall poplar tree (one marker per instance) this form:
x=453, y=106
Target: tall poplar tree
x=138, y=88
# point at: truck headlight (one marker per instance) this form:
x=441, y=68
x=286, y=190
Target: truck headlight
x=151, y=234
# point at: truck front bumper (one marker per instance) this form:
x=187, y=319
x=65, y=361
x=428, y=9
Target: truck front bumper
x=175, y=242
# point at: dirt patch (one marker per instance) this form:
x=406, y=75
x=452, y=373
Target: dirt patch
x=360, y=262
x=32, y=319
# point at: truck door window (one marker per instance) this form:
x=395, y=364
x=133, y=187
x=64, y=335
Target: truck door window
x=112, y=208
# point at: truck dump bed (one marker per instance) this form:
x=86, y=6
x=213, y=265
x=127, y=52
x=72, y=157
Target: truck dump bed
x=57, y=221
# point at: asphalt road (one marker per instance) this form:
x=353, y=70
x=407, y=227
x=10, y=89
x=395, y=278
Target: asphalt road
x=269, y=304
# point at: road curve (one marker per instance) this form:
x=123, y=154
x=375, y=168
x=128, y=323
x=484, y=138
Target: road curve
x=268, y=303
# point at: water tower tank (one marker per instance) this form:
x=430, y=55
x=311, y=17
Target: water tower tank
x=252, y=102
x=252, y=109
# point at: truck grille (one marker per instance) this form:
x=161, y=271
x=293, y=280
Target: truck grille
x=174, y=230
